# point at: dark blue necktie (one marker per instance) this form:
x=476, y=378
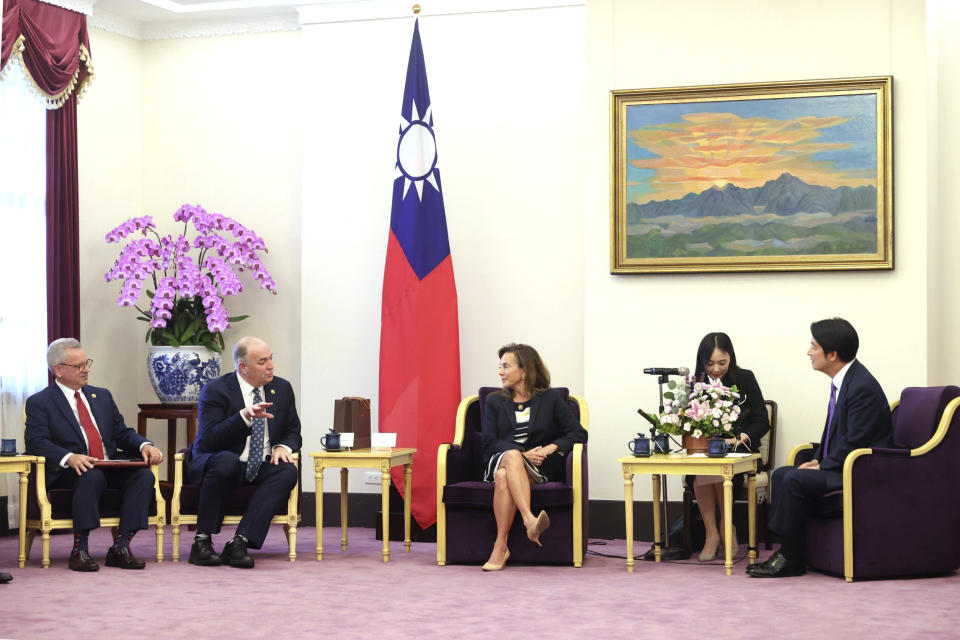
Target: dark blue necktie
x=830, y=408
x=255, y=455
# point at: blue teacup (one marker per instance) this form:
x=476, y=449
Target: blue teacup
x=8, y=447
x=639, y=446
x=331, y=441
x=717, y=447
x=661, y=443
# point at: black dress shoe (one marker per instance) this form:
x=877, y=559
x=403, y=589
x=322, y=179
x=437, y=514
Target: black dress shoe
x=5, y=578
x=81, y=561
x=235, y=554
x=777, y=566
x=203, y=555
x=123, y=559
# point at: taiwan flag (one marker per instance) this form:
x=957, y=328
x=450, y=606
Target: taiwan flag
x=419, y=335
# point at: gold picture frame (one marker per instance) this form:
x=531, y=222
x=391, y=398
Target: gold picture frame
x=772, y=176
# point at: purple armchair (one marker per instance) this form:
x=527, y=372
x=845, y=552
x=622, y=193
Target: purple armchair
x=466, y=527
x=898, y=513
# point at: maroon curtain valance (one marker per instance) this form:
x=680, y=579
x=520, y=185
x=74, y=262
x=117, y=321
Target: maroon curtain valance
x=52, y=45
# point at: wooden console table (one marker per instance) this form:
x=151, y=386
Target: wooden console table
x=172, y=413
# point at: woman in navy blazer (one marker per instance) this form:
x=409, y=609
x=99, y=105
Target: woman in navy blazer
x=717, y=360
x=527, y=431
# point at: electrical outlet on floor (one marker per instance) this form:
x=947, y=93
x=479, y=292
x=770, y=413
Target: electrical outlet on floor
x=372, y=477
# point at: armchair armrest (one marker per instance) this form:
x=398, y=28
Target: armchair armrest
x=456, y=463
x=161, y=503
x=40, y=475
x=800, y=454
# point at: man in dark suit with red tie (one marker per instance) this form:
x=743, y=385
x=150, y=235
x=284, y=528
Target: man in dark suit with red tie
x=858, y=415
x=249, y=428
x=73, y=425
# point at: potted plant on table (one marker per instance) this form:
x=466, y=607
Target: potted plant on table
x=698, y=410
x=186, y=281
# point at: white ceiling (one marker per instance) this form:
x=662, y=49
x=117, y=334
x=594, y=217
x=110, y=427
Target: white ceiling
x=149, y=11
x=160, y=19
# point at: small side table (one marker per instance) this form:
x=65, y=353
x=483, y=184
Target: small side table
x=382, y=459
x=21, y=465
x=172, y=413
x=683, y=464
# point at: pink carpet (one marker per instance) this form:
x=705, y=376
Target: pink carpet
x=353, y=594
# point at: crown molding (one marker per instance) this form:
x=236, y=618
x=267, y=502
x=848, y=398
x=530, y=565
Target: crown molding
x=80, y=6
x=351, y=11
x=106, y=21
x=170, y=30
x=220, y=27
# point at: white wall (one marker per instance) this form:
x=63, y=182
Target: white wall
x=637, y=321
x=521, y=111
x=109, y=144
x=943, y=132
x=505, y=89
x=213, y=121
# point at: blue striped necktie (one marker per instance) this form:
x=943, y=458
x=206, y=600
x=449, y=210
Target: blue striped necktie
x=255, y=455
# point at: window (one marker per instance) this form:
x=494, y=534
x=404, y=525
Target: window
x=23, y=297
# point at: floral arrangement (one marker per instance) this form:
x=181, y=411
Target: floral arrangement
x=697, y=408
x=188, y=289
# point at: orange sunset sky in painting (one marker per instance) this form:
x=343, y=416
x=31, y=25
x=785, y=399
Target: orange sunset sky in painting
x=698, y=148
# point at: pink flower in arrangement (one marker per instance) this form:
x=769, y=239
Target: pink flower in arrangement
x=187, y=286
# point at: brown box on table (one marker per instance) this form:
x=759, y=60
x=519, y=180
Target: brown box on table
x=352, y=415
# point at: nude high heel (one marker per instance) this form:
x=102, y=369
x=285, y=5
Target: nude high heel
x=489, y=566
x=537, y=528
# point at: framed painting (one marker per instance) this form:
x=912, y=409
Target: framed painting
x=775, y=176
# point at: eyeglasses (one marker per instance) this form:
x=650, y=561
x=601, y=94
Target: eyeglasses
x=88, y=364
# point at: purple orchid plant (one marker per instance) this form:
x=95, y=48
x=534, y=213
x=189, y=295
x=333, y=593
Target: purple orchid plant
x=186, y=301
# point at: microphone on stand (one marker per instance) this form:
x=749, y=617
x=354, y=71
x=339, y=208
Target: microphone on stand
x=664, y=371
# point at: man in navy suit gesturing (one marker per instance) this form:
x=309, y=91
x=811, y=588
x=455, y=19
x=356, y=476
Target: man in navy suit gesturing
x=857, y=416
x=248, y=430
x=73, y=425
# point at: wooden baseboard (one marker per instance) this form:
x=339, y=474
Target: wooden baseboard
x=606, y=516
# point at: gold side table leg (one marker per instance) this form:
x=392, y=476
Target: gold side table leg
x=385, y=508
x=22, y=555
x=628, y=513
x=319, y=503
x=752, y=514
x=343, y=508
x=656, y=517
x=728, y=519
x=407, y=477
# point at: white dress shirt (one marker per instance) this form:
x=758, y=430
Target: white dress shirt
x=72, y=401
x=246, y=390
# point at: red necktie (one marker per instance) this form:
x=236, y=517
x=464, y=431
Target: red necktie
x=94, y=442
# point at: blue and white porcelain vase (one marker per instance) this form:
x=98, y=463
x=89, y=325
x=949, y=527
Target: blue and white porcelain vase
x=178, y=373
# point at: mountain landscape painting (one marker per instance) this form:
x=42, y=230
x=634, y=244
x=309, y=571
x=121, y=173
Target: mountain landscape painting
x=759, y=183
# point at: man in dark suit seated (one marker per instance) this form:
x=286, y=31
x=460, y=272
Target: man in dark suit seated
x=858, y=415
x=241, y=442
x=73, y=425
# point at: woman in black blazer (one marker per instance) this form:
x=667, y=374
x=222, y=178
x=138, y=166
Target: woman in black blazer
x=716, y=360
x=527, y=431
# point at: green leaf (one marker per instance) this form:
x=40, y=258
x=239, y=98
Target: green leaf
x=150, y=294
x=669, y=395
x=672, y=384
x=238, y=318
